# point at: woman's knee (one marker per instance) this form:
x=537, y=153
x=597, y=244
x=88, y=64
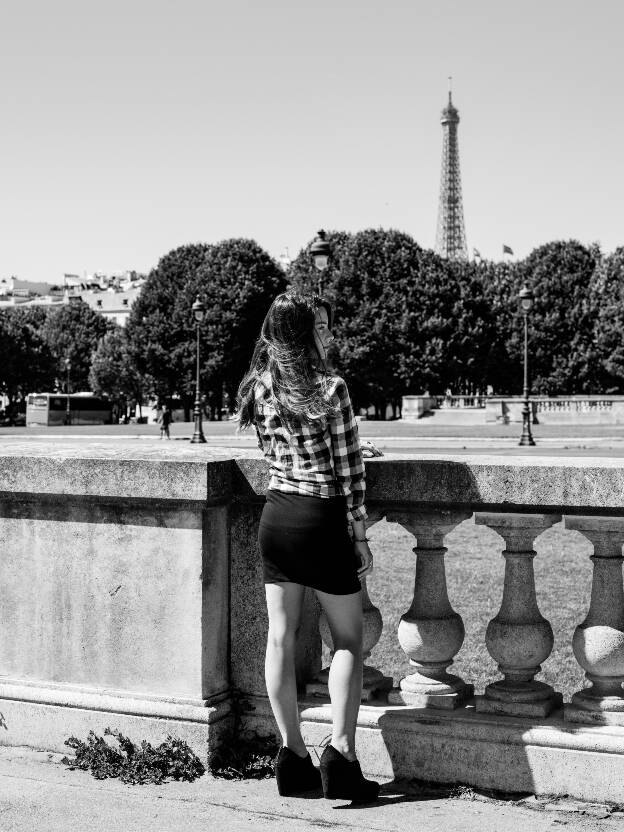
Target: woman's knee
x=281, y=638
x=351, y=641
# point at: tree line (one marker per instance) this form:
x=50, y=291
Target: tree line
x=406, y=321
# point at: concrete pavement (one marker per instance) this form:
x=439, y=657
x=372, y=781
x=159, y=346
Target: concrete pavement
x=399, y=428
x=396, y=437
x=39, y=794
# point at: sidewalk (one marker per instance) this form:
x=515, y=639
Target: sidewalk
x=39, y=794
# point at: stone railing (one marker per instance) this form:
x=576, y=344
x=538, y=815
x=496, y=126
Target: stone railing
x=463, y=401
x=558, y=410
x=132, y=596
x=415, y=407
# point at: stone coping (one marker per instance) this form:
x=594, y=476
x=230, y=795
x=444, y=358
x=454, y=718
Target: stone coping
x=570, y=485
x=132, y=471
x=591, y=485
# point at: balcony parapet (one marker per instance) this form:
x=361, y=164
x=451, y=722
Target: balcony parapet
x=566, y=485
x=132, y=593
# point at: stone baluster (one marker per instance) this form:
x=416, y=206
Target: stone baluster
x=598, y=642
x=519, y=638
x=430, y=632
x=373, y=681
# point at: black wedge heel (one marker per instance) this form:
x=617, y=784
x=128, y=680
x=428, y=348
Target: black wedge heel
x=295, y=774
x=343, y=779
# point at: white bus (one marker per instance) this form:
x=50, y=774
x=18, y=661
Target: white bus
x=51, y=409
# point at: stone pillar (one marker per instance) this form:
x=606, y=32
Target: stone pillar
x=598, y=642
x=373, y=681
x=430, y=632
x=519, y=638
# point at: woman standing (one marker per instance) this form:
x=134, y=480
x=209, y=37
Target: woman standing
x=306, y=428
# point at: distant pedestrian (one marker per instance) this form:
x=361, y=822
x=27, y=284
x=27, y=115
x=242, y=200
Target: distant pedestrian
x=165, y=419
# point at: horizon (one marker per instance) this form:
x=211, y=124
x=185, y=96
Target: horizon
x=59, y=283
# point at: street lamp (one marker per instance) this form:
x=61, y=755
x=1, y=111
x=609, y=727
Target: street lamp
x=198, y=436
x=525, y=296
x=68, y=409
x=320, y=251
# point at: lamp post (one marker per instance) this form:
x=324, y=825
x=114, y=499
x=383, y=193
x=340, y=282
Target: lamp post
x=68, y=408
x=320, y=251
x=525, y=296
x=198, y=435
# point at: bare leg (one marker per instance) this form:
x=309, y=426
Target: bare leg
x=284, y=601
x=344, y=614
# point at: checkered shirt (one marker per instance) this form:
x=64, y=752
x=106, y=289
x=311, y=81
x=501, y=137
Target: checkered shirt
x=321, y=458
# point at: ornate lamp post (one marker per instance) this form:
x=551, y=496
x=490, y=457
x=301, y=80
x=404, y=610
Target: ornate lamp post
x=525, y=296
x=68, y=408
x=320, y=252
x=198, y=436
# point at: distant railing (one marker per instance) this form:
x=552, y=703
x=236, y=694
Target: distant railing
x=574, y=404
x=474, y=401
x=558, y=409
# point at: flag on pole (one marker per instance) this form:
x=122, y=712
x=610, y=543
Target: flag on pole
x=507, y=250
x=476, y=253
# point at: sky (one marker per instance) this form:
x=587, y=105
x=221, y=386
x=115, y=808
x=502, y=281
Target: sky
x=132, y=127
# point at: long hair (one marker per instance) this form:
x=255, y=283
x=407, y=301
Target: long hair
x=287, y=354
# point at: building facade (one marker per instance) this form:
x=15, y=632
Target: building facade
x=110, y=295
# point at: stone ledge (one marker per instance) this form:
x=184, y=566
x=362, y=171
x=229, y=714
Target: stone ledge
x=592, y=485
x=114, y=701
x=132, y=471
x=46, y=727
x=550, y=757
x=570, y=485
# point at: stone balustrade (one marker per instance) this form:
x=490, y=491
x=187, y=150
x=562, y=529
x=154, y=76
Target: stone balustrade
x=132, y=597
x=557, y=410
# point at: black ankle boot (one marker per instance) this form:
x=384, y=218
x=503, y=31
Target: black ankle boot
x=343, y=779
x=295, y=774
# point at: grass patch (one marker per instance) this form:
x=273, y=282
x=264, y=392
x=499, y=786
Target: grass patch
x=475, y=572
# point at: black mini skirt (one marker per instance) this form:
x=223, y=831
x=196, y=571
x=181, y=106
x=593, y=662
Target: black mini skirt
x=305, y=540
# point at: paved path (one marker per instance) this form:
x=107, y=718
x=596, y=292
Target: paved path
x=419, y=429
x=38, y=794
x=391, y=437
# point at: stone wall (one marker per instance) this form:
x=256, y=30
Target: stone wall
x=115, y=588
x=132, y=597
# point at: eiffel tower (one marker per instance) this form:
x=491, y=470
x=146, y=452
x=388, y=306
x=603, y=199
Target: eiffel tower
x=451, y=233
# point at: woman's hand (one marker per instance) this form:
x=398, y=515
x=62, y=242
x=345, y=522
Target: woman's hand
x=362, y=550
x=368, y=449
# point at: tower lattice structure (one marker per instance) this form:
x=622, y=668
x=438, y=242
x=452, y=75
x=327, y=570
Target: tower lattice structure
x=451, y=233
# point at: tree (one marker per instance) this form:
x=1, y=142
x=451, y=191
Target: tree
x=469, y=353
x=73, y=332
x=113, y=371
x=607, y=293
x=437, y=352
x=160, y=333
x=562, y=353
x=237, y=281
x=393, y=306
x=561, y=322
x=501, y=283
x=27, y=363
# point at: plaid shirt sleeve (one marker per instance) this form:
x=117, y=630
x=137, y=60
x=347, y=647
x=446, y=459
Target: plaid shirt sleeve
x=348, y=462
x=259, y=438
